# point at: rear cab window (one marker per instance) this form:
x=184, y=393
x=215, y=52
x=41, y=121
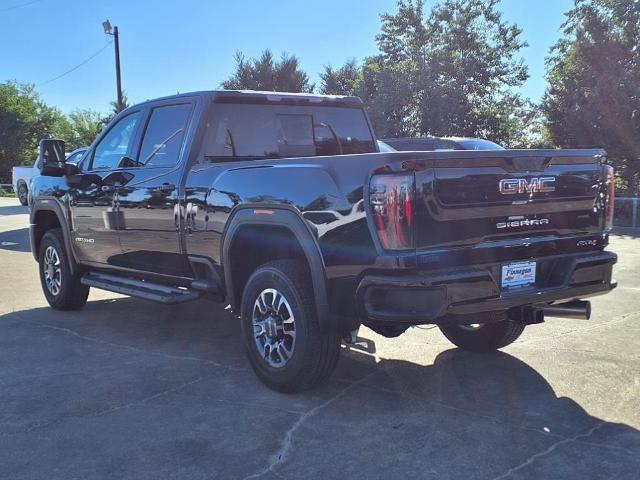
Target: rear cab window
x=253, y=131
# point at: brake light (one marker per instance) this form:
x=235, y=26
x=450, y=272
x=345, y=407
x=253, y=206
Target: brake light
x=611, y=194
x=391, y=199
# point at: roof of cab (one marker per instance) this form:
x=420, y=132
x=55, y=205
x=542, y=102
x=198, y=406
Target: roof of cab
x=253, y=96
x=259, y=97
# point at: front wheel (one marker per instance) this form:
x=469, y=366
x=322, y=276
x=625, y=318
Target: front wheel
x=484, y=337
x=284, y=343
x=23, y=194
x=62, y=289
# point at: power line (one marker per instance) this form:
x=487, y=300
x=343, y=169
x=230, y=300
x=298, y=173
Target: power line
x=13, y=7
x=76, y=67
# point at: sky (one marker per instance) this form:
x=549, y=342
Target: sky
x=180, y=46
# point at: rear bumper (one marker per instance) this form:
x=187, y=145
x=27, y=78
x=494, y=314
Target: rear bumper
x=439, y=296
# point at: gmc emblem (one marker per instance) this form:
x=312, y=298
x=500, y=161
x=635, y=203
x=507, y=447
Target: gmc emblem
x=511, y=186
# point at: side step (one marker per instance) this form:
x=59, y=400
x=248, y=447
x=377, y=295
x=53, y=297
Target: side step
x=156, y=292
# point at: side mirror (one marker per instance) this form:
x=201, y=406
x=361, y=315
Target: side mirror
x=71, y=169
x=127, y=162
x=51, y=157
x=83, y=181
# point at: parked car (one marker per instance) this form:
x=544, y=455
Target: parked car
x=282, y=206
x=415, y=144
x=76, y=156
x=384, y=147
x=21, y=176
x=467, y=143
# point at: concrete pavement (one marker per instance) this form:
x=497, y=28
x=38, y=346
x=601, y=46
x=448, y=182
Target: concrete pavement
x=128, y=389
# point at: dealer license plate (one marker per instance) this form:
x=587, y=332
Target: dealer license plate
x=518, y=275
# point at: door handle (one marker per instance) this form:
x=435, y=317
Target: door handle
x=166, y=188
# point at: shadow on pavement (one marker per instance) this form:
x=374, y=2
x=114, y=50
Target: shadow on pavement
x=626, y=232
x=15, y=240
x=13, y=210
x=464, y=416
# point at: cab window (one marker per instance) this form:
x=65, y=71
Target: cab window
x=163, y=136
x=115, y=144
x=247, y=131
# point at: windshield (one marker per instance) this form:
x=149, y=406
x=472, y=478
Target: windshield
x=278, y=131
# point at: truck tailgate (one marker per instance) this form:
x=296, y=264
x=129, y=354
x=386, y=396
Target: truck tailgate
x=465, y=201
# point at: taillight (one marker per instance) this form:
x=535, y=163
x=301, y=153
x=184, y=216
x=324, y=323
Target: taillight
x=391, y=199
x=611, y=194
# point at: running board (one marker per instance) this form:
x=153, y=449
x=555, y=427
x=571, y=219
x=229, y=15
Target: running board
x=156, y=292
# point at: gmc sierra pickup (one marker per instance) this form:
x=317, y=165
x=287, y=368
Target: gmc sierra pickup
x=282, y=206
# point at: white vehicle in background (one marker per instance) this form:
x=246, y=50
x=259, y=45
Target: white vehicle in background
x=20, y=180
x=22, y=175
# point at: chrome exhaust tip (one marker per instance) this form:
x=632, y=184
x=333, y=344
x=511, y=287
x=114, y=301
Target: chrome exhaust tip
x=579, y=309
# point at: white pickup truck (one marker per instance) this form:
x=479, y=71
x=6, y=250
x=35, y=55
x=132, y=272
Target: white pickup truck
x=21, y=176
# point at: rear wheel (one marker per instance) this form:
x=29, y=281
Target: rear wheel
x=285, y=346
x=23, y=193
x=61, y=288
x=483, y=337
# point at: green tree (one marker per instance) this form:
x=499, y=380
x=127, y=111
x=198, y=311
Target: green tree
x=389, y=95
x=83, y=127
x=266, y=73
x=451, y=72
x=24, y=120
x=593, y=98
x=514, y=122
x=117, y=107
x=344, y=80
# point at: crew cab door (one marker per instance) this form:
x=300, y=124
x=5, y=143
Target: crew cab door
x=149, y=202
x=93, y=199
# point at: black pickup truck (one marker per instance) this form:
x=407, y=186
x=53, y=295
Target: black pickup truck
x=282, y=206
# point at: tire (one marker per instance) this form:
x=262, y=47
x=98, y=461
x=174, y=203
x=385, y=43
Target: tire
x=61, y=288
x=485, y=337
x=23, y=194
x=287, y=356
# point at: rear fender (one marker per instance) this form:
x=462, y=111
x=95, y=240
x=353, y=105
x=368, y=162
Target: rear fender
x=290, y=220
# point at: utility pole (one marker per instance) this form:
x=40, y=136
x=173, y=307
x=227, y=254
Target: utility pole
x=118, y=80
x=115, y=34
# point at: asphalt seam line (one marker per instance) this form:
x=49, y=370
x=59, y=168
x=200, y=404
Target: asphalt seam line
x=549, y=450
x=280, y=456
x=141, y=401
x=128, y=347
